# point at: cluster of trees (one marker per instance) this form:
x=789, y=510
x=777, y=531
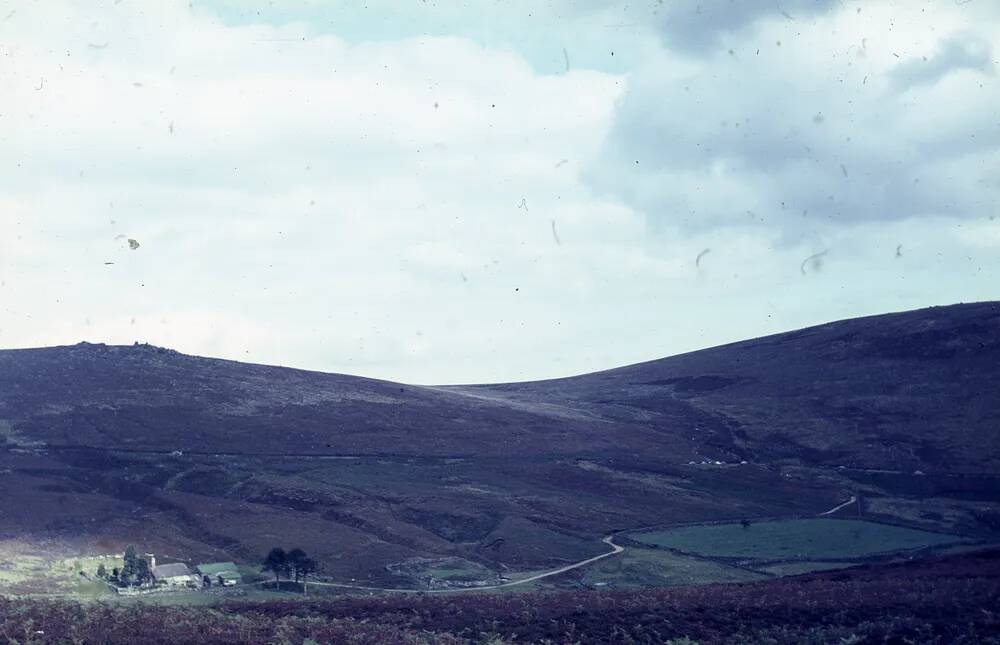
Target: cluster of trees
x=294, y=562
x=134, y=571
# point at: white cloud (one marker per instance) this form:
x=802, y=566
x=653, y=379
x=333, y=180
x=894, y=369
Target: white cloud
x=306, y=196
x=815, y=124
x=320, y=199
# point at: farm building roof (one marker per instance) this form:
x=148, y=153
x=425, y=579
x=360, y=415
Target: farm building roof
x=171, y=570
x=217, y=569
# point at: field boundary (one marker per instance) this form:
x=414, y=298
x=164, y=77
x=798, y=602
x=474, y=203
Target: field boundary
x=757, y=564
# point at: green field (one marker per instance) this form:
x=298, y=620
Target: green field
x=801, y=539
x=457, y=570
x=803, y=566
x=24, y=572
x=655, y=568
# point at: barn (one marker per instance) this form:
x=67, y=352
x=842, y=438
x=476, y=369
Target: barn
x=224, y=574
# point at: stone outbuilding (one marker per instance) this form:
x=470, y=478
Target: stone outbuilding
x=223, y=574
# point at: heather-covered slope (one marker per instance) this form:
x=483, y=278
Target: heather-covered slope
x=147, y=398
x=101, y=446
x=914, y=390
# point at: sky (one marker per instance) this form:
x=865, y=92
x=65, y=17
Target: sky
x=493, y=191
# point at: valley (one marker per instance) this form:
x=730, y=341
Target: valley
x=210, y=460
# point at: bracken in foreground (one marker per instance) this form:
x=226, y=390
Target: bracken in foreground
x=945, y=600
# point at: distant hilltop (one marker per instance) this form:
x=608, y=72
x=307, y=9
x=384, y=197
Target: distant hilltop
x=904, y=389
x=892, y=418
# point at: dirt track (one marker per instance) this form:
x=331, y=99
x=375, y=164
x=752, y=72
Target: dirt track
x=609, y=540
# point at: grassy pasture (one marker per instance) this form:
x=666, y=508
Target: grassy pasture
x=804, y=566
x=27, y=567
x=655, y=568
x=458, y=571
x=450, y=569
x=798, y=539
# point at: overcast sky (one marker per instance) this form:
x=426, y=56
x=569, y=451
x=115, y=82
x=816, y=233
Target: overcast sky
x=489, y=191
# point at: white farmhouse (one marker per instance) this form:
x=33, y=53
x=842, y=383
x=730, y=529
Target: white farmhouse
x=176, y=574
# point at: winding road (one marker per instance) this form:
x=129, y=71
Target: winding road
x=840, y=506
x=615, y=550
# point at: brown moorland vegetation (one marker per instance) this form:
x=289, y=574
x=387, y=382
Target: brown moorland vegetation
x=954, y=599
x=102, y=446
